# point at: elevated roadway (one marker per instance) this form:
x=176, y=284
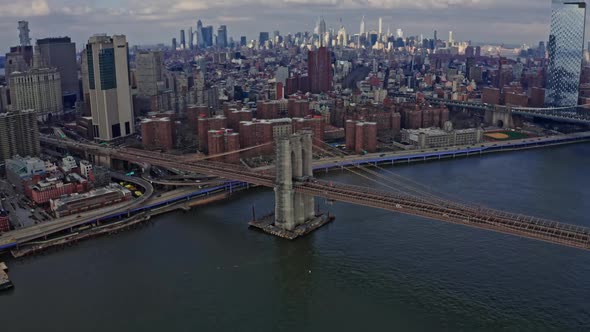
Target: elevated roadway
x=60, y=224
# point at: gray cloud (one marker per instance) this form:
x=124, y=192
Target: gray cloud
x=151, y=21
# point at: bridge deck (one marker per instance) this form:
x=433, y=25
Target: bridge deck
x=438, y=209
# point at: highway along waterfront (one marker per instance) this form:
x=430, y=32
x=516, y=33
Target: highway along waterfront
x=205, y=270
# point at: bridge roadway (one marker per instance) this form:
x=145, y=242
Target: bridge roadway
x=560, y=114
x=438, y=209
x=56, y=225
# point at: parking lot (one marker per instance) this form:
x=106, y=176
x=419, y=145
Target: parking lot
x=21, y=211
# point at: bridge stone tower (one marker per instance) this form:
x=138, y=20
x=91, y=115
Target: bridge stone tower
x=499, y=116
x=293, y=162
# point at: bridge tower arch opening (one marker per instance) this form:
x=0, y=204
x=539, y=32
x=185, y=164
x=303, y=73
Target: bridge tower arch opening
x=500, y=124
x=294, y=163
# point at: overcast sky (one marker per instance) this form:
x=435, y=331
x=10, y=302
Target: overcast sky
x=153, y=21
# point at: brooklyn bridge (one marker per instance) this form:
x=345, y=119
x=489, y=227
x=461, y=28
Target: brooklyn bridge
x=295, y=187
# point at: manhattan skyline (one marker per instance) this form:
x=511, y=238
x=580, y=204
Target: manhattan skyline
x=154, y=21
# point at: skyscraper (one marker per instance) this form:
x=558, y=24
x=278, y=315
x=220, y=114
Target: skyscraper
x=263, y=38
x=319, y=68
x=322, y=32
x=566, y=49
x=362, y=26
x=60, y=53
x=380, y=26
x=207, y=36
x=222, y=36
x=451, y=40
x=190, y=38
x=174, y=44
x=200, y=38
x=110, y=87
x=23, y=33
x=182, y=40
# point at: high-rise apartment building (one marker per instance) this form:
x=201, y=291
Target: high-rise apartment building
x=110, y=87
x=19, y=134
x=60, y=53
x=38, y=89
x=319, y=67
x=566, y=50
x=149, y=71
x=4, y=98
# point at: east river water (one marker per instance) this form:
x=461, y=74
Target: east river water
x=370, y=270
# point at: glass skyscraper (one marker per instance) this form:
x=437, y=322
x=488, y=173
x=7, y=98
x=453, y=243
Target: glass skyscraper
x=566, y=45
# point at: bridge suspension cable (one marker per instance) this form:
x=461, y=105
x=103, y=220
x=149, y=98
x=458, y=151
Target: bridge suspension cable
x=227, y=153
x=458, y=204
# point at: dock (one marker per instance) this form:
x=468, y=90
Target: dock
x=5, y=283
x=266, y=224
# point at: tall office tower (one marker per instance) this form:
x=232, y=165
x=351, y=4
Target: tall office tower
x=207, y=36
x=182, y=40
x=322, y=32
x=60, y=53
x=195, y=39
x=149, y=71
x=566, y=50
x=342, y=38
x=541, y=50
x=23, y=33
x=38, y=89
x=243, y=41
x=19, y=134
x=362, y=26
x=200, y=37
x=174, y=44
x=222, y=36
x=380, y=26
x=319, y=68
x=190, y=38
x=451, y=40
x=276, y=36
x=399, y=33
x=263, y=38
x=110, y=87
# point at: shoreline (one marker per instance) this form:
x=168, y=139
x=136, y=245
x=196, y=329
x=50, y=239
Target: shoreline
x=413, y=156
x=37, y=247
